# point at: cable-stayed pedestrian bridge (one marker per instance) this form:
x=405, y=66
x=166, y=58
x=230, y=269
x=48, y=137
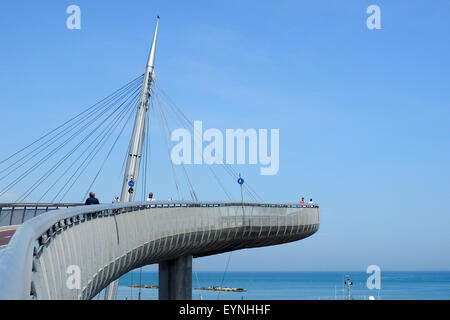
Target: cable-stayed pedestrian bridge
x=52, y=248
x=106, y=241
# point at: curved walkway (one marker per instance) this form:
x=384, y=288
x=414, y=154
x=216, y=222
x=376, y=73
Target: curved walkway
x=75, y=253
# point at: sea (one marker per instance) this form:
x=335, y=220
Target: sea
x=394, y=285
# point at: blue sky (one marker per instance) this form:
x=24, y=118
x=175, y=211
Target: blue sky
x=363, y=114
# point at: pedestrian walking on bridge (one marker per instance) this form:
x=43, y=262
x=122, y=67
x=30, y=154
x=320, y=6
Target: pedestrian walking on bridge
x=92, y=199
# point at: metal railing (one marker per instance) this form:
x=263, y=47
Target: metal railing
x=18, y=213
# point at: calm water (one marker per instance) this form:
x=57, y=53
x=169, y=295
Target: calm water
x=301, y=285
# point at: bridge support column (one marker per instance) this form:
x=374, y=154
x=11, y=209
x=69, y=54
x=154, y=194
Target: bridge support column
x=175, y=279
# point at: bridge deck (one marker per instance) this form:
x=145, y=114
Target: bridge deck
x=107, y=241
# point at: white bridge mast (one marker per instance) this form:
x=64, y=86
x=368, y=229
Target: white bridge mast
x=137, y=139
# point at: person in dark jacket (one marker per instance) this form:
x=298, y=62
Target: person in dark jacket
x=92, y=199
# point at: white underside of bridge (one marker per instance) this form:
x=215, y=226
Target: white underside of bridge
x=106, y=244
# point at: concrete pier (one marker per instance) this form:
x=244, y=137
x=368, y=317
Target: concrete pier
x=175, y=279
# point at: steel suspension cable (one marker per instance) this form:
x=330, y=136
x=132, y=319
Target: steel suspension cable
x=191, y=188
x=232, y=172
x=64, y=158
x=68, y=121
x=99, y=110
x=102, y=136
x=88, y=161
x=209, y=167
x=110, y=151
x=164, y=132
x=146, y=154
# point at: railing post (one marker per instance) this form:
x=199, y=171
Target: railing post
x=12, y=214
x=23, y=215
